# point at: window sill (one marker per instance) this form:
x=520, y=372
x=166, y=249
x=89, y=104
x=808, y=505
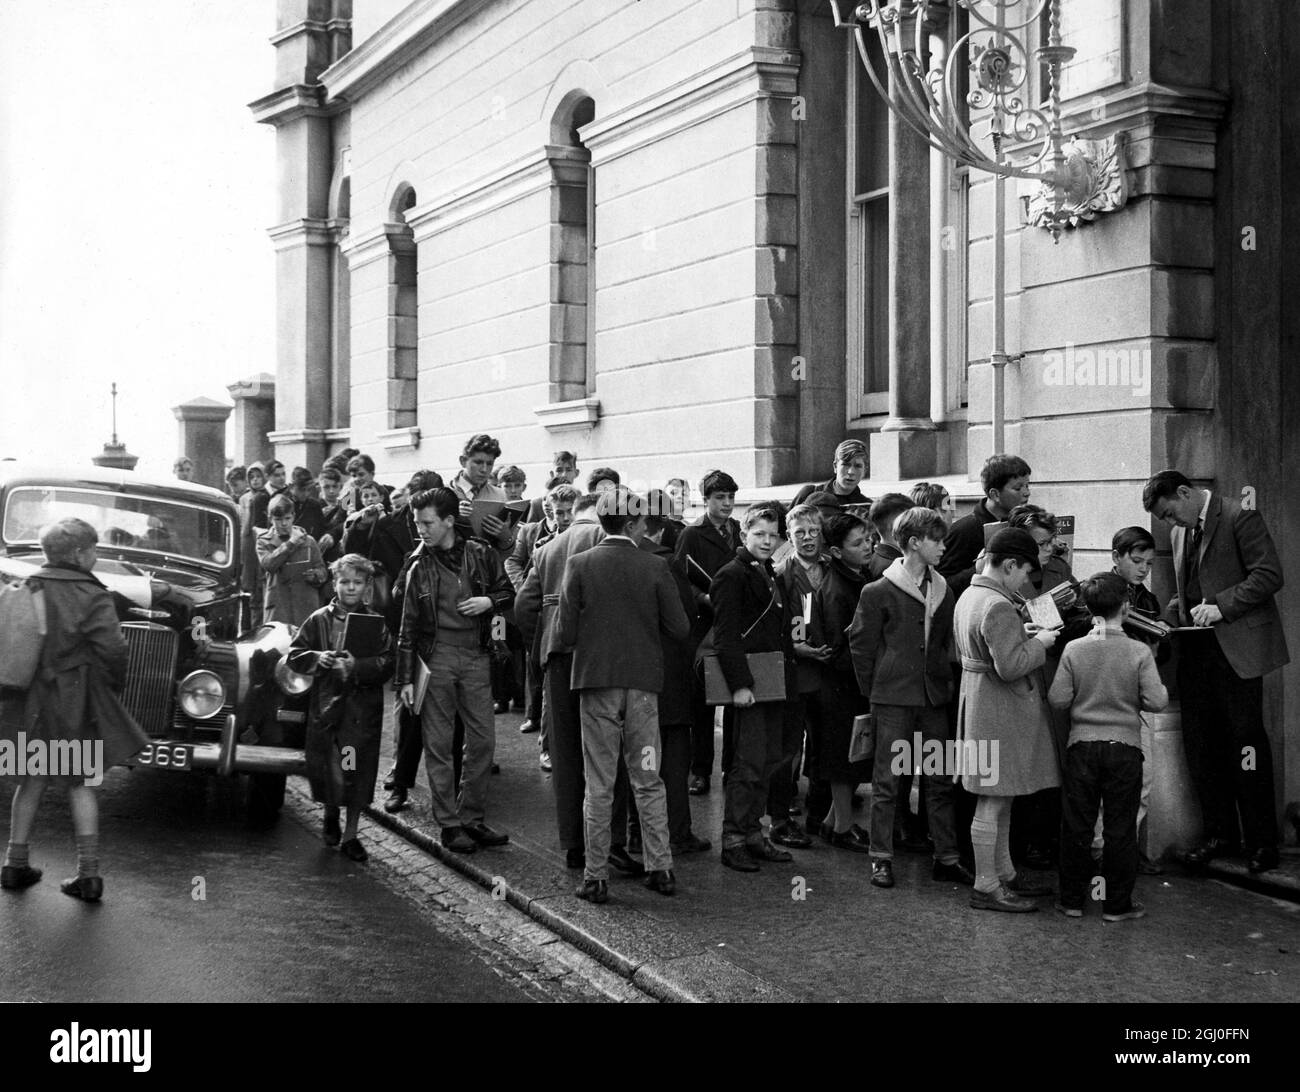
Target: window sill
x=399, y=439
x=572, y=416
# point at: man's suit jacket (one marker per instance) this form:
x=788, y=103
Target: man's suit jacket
x=701, y=546
x=615, y=605
x=537, y=606
x=1240, y=573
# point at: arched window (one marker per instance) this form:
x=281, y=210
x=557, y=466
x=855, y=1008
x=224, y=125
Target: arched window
x=403, y=314
x=573, y=252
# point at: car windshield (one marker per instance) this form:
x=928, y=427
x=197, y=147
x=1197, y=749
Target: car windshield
x=140, y=523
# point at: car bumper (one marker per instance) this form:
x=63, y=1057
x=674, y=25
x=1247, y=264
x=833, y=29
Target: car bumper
x=228, y=756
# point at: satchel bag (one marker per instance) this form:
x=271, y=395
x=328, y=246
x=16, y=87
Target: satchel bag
x=862, y=741
x=22, y=633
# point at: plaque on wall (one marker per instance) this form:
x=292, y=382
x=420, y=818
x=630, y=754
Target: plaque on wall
x=1095, y=28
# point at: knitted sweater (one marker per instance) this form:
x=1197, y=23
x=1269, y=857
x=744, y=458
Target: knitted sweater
x=1106, y=679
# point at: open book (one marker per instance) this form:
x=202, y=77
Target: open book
x=508, y=512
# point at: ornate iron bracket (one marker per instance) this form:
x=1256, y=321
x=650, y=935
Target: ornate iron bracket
x=1094, y=181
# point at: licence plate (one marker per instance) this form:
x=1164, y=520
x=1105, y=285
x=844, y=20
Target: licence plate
x=165, y=756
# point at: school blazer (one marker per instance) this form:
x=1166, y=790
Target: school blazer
x=702, y=543
x=893, y=662
x=1240, y=573
x=750, y=616
x=537, y=606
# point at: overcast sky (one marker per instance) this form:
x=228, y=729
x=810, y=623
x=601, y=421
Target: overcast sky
x=135, y=194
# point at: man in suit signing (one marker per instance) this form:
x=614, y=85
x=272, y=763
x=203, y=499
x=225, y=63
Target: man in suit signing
x=615, y=603
x=1227, y=573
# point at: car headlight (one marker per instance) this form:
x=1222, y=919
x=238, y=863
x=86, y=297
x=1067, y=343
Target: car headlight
x=290, y=681
x=201, y=694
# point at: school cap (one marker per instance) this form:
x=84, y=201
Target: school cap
x=1014, y=542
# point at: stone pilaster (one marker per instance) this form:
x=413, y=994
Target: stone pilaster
x=203, y=438
x=254, y=400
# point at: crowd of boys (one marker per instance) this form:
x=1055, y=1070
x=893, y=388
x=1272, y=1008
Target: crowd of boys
x=827, y=633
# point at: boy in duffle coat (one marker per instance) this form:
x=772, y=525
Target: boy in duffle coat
x=901, y=643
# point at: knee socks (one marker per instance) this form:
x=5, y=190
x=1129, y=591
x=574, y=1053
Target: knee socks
x=87, y=854
x=989, y=835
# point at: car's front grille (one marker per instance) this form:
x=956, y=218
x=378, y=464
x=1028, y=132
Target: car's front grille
x=150, y=674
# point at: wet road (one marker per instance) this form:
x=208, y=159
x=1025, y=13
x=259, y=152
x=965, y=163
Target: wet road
x=199, y=907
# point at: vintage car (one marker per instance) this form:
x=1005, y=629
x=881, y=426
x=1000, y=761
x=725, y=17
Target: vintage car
x=211, y=694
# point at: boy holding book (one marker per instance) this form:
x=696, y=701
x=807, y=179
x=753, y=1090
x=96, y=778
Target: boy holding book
x=1106, y=681
x=751, y=615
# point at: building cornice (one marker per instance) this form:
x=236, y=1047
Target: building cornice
x=524, y=177
x=309, y=26
x=290, y=103
x=377, y=243
x=403, y=37
x=754, y=73
x=303, y=232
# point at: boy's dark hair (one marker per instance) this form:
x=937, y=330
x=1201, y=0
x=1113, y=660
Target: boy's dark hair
x=659, y=510
x=279, y=503
x=1164, y=484
x=928, y=495
x=336, y=462
x=443, y=501
x=602, y=474
x=1128, y=539
x=564, y=493
x=511, y=473
x=1103, y=594
x=848, y=450
x=919, y=521
x=884, y=511
x=1000, y=469
x=585, y=501
x=481, y=441
x=423, y=480
x=564, y=458
x=237, y=474
x=1031, y=515
x=717, y=481
x=361, y=462
x=331, y=474
x=617, y=508
x=763, y=510
x=272, y=466
x=840, y=527
x=348, y=454
x=301, y=476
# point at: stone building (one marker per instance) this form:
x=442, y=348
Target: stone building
x=681, y=234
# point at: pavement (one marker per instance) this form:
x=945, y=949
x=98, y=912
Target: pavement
x=816, y=930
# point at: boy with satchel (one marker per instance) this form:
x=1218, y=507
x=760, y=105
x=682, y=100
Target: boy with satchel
x=901, y=642
x=752, y=615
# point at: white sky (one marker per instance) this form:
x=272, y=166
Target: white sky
x=135, y=194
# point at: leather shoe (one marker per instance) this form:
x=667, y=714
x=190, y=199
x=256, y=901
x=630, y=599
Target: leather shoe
x=353, y=850
x=1027, y=889
x=396, y=801
x=624, y=862
x=851, y=840
x=1001, y=899
x=86, y=888
x=16, y=877
x=662, y=880
x=1207, y=851
x=527, y=727
x=953, y=873
x=766, y=851
x=736, y=857
x=882, y=874
x=390, y=779
x=575, y=858
x=593, y=891
x=331, y=832
x=544, y=761
x=1263, y=859
x=690, y=844
x=697, y=785
x=787, y=834
x=456, y=840
x=484, y=835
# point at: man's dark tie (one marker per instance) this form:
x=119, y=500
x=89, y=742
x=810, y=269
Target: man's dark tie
x=1192, y=569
